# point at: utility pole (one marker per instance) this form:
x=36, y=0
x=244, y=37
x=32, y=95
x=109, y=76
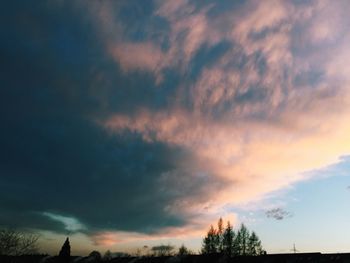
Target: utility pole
x=294, y=249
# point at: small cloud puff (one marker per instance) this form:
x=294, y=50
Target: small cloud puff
x=278, y=214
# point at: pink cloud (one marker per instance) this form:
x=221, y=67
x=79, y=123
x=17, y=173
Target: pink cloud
x=150, y=57
x=327, y=22
x=303, y=127
x=170, y=8
x=189, y=30
x=258, y=15
x=195, y=228
x=280, y=156
x=106, y=239
x=141, y=56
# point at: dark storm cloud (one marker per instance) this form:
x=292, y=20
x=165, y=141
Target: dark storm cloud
x=207, y=56
x=56, y=80
x=140, y=24
x=134, y=115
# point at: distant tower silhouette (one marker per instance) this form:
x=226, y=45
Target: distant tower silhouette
x=65, y=250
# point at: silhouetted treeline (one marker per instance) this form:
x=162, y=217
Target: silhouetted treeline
x=212, y=258
x=230, y=243
x=221, y=245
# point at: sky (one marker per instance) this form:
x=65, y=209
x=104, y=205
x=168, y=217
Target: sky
x=130, y=123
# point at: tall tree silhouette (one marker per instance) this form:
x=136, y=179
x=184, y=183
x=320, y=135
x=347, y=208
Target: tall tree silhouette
x=242, y=240
x=254, y=245
x=219, y=236
x=65, y=250
x=210, y=242
x=227, y=240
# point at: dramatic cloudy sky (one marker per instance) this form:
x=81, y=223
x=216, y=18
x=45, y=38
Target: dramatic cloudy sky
x=132, y=123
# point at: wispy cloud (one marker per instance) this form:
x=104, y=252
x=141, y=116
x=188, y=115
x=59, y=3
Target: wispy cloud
x=71, y=224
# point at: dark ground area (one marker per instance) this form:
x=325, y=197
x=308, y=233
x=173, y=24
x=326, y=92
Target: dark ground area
x=275, y=258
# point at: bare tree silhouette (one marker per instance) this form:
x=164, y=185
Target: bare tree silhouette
x=15, y=243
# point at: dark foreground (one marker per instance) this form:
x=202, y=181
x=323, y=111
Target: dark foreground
x=275, y=258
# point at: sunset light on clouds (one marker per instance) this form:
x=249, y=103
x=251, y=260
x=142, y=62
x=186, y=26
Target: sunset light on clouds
x=132, y=123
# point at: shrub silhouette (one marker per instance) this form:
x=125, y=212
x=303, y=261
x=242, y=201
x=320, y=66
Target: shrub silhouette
x=162, y=250
x=183, y=251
